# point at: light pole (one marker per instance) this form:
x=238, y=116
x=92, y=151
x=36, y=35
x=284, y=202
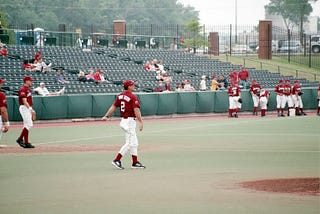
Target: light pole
x=236, y=21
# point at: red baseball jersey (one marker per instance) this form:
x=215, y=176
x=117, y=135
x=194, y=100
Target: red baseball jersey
x=233, y=76
x=243, y=75
x=287, y=90
x=279, y=89
x=296, y=89
x=3, y=100
x=25, y=92
x=234, y=91
x=127, y=102
x=264, y=93
x=255, y=88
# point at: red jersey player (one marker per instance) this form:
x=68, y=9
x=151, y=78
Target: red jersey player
x=296, y=98
x=264, y=96
x=234, y=75
x=3, y=111
x=130, y=112
x=280, y=98
x=288, y=95
x=243, y=76
x=26, y=111
x=255, y=92
x=235, y=101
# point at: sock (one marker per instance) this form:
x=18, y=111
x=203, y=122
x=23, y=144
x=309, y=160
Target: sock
x=255, y=109
x=118, y=158
x=301, y=110
x=230, y=112
x=282, y=110
x=23, y=133
x=318, y=110
x=297, y=111
x=26, y=136
x=236, y=110
x=263, y=112
x=134, y=159
x=278, y=110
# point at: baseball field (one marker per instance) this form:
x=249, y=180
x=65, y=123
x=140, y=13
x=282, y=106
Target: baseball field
x=194, y=165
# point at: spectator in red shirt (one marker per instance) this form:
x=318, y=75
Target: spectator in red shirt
x=147, y=66
x=234, y=75
x=99, y=77
x=27, y=66
x=243, y=76
x=4, y=51
x=37, y=56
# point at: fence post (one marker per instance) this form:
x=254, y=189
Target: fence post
x=278, y=69
x=297, y=73
x=309, y=51
x=260, y=65
x=244, y=62
x=315, y=77
x=289, y=45
x=230, y=39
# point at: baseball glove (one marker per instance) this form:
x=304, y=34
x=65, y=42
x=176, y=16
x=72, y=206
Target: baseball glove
x=240, y=100
x=300, y=93
x=258, y=94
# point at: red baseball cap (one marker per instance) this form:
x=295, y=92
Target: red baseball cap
x=128, y=83
x=287, y=80
x=296, y=81
x=27, y=78
x=280, y=81
x=2, y=80
x=254, y=80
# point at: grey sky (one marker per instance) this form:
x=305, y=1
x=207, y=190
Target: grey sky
x=221, y=12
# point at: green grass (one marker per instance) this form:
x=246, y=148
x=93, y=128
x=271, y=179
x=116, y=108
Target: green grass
x=277, y=64
x=193, y=166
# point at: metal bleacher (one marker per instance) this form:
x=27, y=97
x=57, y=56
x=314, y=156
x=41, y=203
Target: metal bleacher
x=118, y=65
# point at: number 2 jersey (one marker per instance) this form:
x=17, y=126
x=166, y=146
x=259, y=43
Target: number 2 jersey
x=127, y=102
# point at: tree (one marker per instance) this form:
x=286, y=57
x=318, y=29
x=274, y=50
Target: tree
x=194, y=35
x=293, y=12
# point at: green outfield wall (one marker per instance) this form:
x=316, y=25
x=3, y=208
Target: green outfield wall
x=95, y=105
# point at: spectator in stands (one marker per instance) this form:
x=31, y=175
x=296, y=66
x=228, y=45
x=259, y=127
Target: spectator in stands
x=167, y=81
x=89, y=43
x=159, y=66
x=4, y=51
x=243, y=76
x=223, y=84
x=81, y=76
x=40, y=40
x=203, y=84
x=147, y=66
x=37, y=56
x=99, y=76
x=234, y=75
x=160, y=87
x=27, y=66
x=188, y=86
x=42, y=67
x=214, y=83
x=179, y=87
x=90, y=76
x=59, y=77
x=1, y=44
x=43, y=91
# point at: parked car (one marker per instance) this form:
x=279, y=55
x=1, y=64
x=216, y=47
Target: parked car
x=293, y=46
x=315, y=43
x=241, y=49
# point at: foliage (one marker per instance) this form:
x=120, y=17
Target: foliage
x=293, y=12
x=194, y=35
x=84, y=14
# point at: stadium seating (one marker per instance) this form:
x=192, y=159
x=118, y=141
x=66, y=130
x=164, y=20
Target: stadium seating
x=121, y=64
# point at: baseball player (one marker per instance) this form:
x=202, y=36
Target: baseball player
x=4, y=113
x=255, y=92
x=287, y=92
x=26, y=111
x=318, y=111
x=263, y=99
x=280, y=98
x=130, y=113
x=296, y=98
x=235, y=100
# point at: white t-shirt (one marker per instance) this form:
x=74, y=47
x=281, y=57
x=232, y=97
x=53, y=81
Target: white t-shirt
x=42, y=91
x=203, y=85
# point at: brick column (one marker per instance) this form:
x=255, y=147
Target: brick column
x=265, y=40
x=119, y=27
x=214, y=43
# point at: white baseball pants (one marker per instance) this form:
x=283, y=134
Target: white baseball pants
x=26, y=117
x=281, y=101
x=128, y=125
x=255, y=100
x=233, y=102
x=263, y=103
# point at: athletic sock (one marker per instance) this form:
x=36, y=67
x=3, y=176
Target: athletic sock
x=118, y=158
x=23, y=133
x=26, y=136
x=255, y=109
x=278, y=110
x=318, y=110
x=230, y=112
x=134, y=159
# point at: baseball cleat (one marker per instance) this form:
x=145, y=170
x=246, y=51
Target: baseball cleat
x=28, y=146
x=21, y=143
x=137, y=165
x=117, y=164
